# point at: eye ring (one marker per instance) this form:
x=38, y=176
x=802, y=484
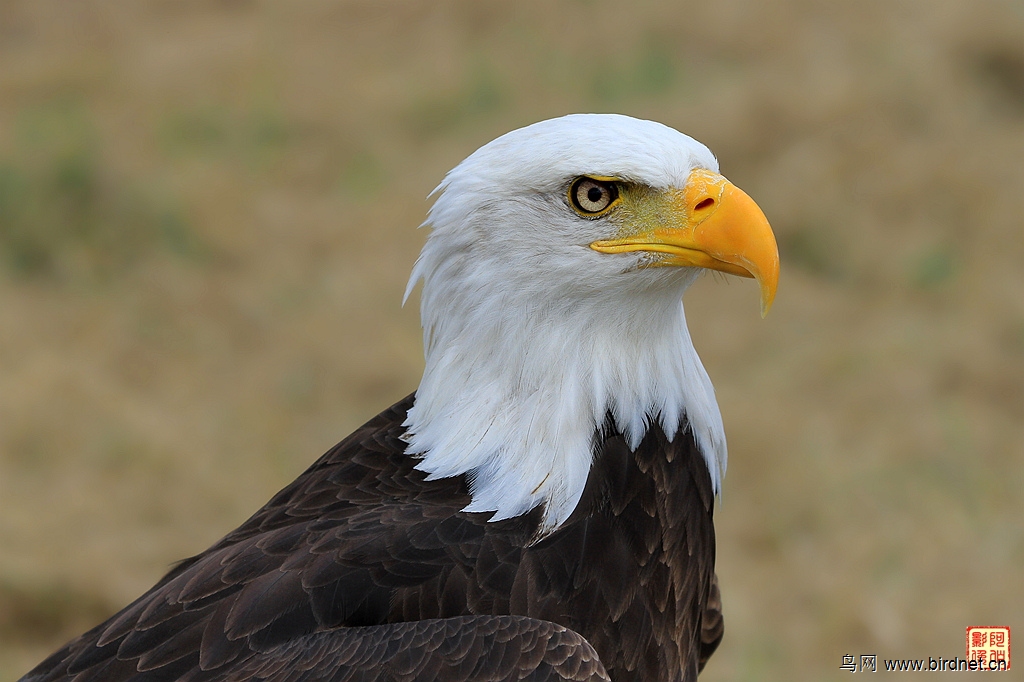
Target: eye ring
x=593, y=197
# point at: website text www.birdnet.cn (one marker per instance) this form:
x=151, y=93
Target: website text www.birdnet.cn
x=870, y=663
x=988, y=650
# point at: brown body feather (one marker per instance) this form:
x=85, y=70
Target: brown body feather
x=361, y=569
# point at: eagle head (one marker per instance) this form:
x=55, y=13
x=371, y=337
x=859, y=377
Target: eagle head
x=552, y=283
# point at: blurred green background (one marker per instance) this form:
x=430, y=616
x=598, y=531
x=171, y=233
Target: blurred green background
x=207, y=218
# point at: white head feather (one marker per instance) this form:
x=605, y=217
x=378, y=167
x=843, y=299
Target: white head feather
x=531, y=337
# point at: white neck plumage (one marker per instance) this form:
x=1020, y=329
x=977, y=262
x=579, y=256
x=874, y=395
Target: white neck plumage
x=517, y=384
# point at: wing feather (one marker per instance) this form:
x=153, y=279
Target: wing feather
x=484, y=648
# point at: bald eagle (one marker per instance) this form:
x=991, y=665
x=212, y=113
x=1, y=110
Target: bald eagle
x=541, y=507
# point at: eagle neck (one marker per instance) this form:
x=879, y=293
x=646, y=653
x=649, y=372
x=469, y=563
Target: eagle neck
x=515, y=392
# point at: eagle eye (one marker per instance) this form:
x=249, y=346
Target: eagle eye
x=591, y=197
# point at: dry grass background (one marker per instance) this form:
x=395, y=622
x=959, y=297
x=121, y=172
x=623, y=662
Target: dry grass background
x=207, y=215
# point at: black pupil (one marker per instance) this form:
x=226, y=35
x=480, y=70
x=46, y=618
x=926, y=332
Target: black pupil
x=594, y=194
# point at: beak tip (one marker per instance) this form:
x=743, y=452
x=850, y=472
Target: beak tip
x=768, y=287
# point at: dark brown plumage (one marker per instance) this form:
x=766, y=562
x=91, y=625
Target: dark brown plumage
x=361, y=569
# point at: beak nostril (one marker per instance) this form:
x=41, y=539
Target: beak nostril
x=705, y=203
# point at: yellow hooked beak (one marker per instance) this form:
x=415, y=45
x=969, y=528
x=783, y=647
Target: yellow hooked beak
x=711, y=224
